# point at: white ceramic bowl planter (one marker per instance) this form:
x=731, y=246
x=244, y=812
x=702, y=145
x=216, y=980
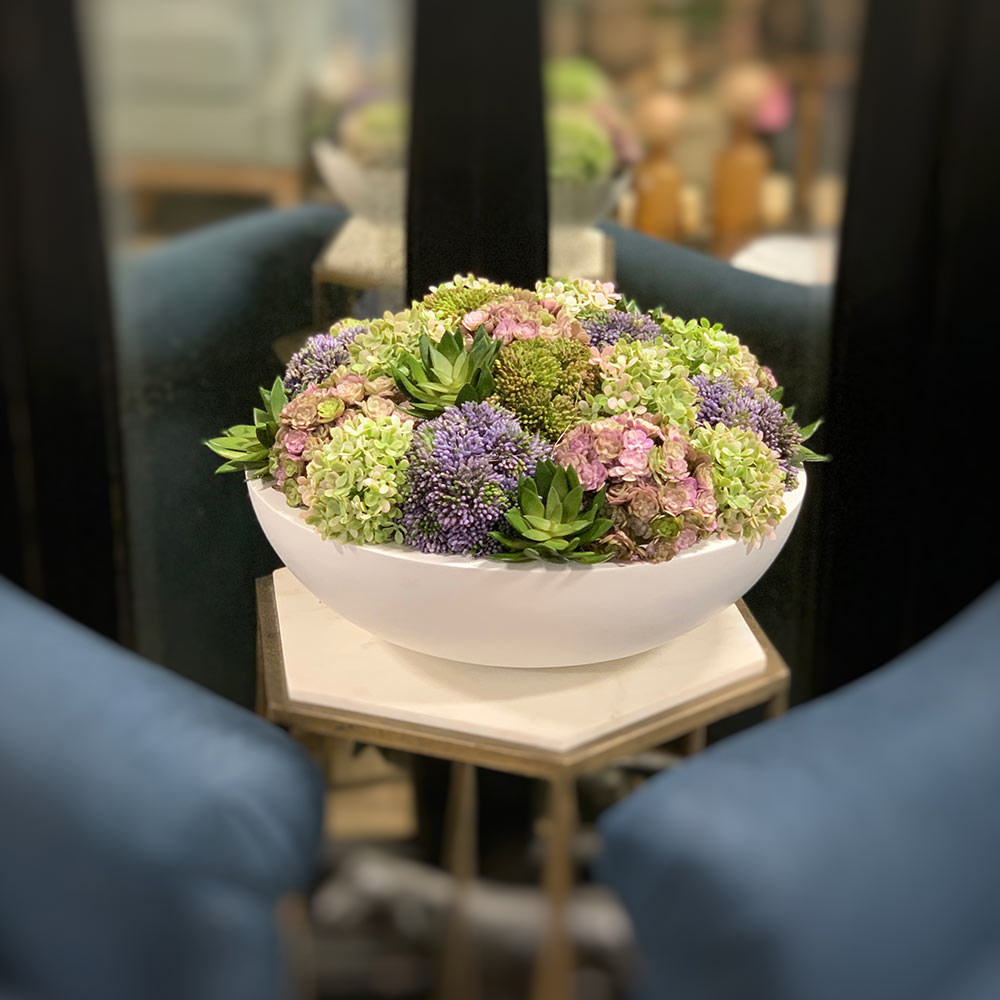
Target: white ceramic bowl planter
x=517, y=614
x=378, y=194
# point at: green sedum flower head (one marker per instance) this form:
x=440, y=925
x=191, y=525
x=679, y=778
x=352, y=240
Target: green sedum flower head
x=354, y=483
x=451, y=300
x=748, y=481
x=579, y=146
x=542, y=382
x=375, y=134
x=574, y=80
x=644, y=377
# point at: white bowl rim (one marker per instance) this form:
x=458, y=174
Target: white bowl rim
x=262, y=486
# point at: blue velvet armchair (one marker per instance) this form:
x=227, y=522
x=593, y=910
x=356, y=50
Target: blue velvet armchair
x=848, y=850
x=148, y=828
x=196, y=321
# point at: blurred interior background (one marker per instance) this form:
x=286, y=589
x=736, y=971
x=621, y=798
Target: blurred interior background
x=718, y=124
x=250, y=163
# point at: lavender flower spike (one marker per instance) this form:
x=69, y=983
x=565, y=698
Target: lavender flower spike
x=464, y=468
x=321, y=356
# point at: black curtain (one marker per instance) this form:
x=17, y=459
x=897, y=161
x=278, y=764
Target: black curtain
x=61, y=504
x=910, y=530
x=477, y=202
x=477, y=190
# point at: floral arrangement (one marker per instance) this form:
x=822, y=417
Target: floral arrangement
x=559, y=423
x=588, y=138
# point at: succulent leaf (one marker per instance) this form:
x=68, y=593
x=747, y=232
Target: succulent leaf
x=807, y=432
x=572, y=502
x=246, y=446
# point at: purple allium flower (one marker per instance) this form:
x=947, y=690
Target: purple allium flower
x=463, y=473
x=722, y=402
x=320, y=356
x=614, y=324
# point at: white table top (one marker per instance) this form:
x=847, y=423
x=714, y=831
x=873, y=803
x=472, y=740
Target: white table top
x=803, y=260
x=330, y=662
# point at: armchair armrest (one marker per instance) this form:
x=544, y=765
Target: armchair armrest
x=149, y=827
x=847, y=850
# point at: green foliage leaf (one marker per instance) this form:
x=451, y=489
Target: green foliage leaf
x=804, y=454
x=600, y=527
x=528, y=499
x=516, y=521
x=553, y=502
x=592, y=557
x=810, y=429
x=543, y=477
x=540, y=522
x=572, y=502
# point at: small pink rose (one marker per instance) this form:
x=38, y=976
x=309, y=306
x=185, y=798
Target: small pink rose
x=576, y=441
x=350, y=389
x=703, y=473
x=378, y=406
x=504, y=330
x=644, y=503
x=684, y=540
x=593, y=476
x=636, y=439
x=676, y=499
x=634, y=459
x=705, y=503
x=294, y=442
x=608, y=442
x=473, y=320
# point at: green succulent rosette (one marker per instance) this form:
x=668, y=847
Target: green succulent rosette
x=549, y=521
x=446, y=373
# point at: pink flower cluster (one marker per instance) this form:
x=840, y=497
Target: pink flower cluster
x=307, y=420
x=659, y=487
x=522, y=316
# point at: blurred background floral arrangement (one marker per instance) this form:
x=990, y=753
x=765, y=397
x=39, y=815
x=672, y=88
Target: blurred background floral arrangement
x=362, y=159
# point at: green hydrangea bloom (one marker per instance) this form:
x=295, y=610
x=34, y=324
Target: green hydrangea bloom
x=543, y=382
x=749, y=483
x=578, y=297
x=644, y=377
x=378, y=350
x=706, y=349
x=451, y=300
x=579, y=146
x=376, y=133
x=355, y=481
x=574, y=80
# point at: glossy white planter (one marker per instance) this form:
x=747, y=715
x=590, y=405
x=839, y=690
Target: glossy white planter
x=516, y=615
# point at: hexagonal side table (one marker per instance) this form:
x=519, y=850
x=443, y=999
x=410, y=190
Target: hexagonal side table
x=324, y=677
